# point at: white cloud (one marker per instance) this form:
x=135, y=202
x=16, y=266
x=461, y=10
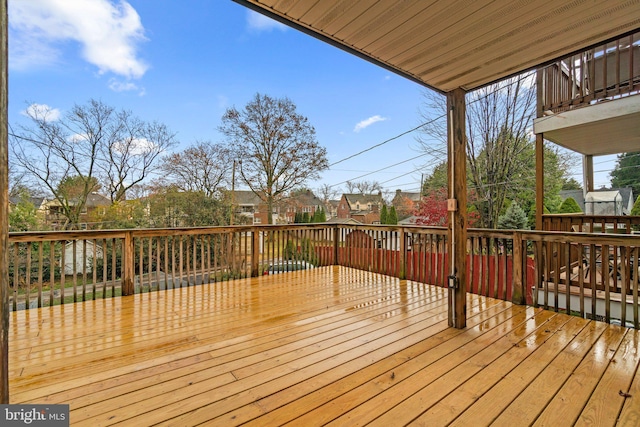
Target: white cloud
x=108, y=33
x=258, y=22
x=42, y=112
x=120, y=86
x=368, y=122
x=136, y=146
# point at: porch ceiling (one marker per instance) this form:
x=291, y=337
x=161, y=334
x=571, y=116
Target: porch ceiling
x=445, y=45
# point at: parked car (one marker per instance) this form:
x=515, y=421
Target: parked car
x=285, y=266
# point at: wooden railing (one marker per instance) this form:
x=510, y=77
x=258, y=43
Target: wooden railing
x=591, y=275
x=60, y=267
x=604, y=72
x=591, y=223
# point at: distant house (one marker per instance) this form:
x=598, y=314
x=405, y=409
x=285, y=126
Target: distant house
x=332, y=208
x=95, y=203
x=84, y=261
x=302, y=202
x=249, y=207
x=405, y=203
x=364, y=208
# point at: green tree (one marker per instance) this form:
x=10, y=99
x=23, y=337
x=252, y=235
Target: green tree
x=514, y=218
x=571, y=183
x=323, y=215
x=277, y=146
x=392, y=219
x=316, y=216
x=626, y=173
x=636, y=207
x=569, y=205
x=23, y=215
x=437, y=179
x=170, y=207
x=306, y=218
x=384, y=215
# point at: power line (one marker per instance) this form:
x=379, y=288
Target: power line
x=386, y=141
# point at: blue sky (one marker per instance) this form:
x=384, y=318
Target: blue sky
x=184, y=62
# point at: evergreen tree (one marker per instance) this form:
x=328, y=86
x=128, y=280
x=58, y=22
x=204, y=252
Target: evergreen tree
x=323, y=215
x=392, y=219
x=316, y=216
x=569, y=205
x=514, y=218
x=383, y=214
x=306, y=218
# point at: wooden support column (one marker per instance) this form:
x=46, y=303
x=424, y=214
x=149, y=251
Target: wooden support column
x=4, y=207
x=457, y=207
x=539, y=180
x=587, y=173
x=539, y=153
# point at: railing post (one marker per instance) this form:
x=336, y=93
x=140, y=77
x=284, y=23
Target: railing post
x=336, y=244
x=128, y=264
x=402, y=261
x=519, y=263
x=255, y=252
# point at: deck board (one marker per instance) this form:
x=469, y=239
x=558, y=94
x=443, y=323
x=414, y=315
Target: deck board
x=332, y=345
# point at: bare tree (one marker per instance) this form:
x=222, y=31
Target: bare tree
x=363, y=187
x=204, y=167
x=499, y=120
x=328, y=192
x=277, y=146
x=91, y=147
x=129, y=155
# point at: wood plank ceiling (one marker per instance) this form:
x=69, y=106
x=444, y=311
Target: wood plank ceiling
x=449, y=44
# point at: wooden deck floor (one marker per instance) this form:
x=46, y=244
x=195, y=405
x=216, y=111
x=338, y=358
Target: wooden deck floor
x=330, y=346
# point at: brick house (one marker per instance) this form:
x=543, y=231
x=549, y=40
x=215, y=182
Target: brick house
x=405, y=203
x=303, y=202
x=364, y=208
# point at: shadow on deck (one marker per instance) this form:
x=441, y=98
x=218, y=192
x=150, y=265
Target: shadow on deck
x=331, y=345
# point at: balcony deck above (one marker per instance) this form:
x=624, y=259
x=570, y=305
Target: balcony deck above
x=329, y=345
x=609, y=127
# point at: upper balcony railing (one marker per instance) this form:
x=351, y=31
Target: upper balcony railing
x=593, y=275
x=604, y=72
x=618, y=224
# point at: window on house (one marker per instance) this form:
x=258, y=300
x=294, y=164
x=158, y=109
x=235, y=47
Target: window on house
x=257, y=221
